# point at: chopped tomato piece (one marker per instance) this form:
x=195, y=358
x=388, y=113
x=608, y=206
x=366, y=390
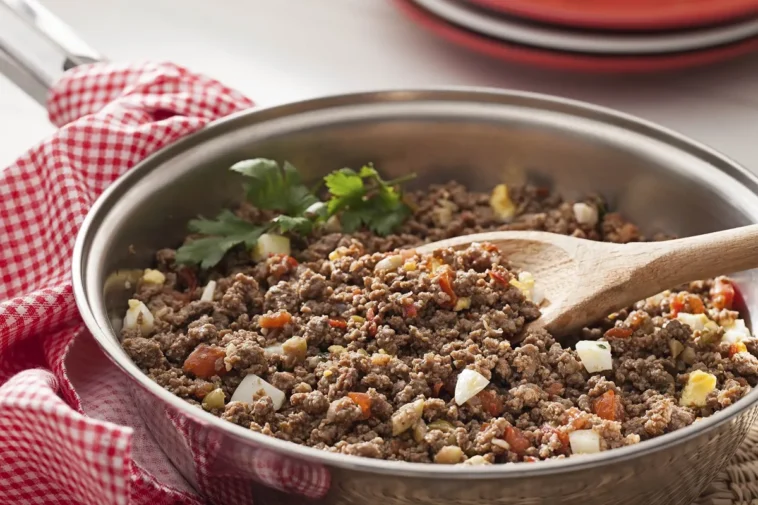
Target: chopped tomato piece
x=636, y=320
x=338, y=323
x=696, y=304
x=275, y=320
x=498, y=277
x=490, y=247
x=446, y=282
x=608, y=406
x=677, y=304
x=410, y=310
x=205, y=362
x=491, y=402
x=619, y=332
x=363, y=400
x=722, y=294
x=292, y=262
x=683, y=302
x=516, y=439
x=736, y=348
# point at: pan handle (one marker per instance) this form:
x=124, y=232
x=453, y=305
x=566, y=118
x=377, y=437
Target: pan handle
x=37, y=47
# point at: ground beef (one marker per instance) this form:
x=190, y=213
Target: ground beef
x=368, y=357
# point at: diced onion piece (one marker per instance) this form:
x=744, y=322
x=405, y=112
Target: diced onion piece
x=297, y=347
x=449, y=455
x=470, y=383
x=153, y=277
x=584, y=442
x=462, y=303
x=419, y=431
x=389, y=263
x=694, y=321
x=271, y=243
x=273, y=349
x=208, y=292
x=501, y=203
x=595, y=355
x=476, y=461
x=214, y=399
x=675, y=347
x=407, y=416
x=736, y=332
x=251, y=385
x=138, y=315
x=696, y=391
x=585, y=214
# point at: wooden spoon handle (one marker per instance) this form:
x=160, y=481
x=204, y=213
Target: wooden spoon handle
x=725, y=252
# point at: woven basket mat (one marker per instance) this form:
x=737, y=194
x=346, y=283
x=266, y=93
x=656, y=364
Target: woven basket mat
x=737, y=484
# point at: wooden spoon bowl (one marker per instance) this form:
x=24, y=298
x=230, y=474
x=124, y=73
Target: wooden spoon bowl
x=585, y=280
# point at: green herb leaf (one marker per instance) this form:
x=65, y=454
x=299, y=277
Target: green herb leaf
x=366, y=200
x=299, y=224
x=226, y=231
x=275, y=188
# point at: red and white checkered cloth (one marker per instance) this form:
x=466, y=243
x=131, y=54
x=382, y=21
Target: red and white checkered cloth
x=68, y=431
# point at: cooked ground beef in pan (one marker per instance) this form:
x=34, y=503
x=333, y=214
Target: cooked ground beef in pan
x=353, y=343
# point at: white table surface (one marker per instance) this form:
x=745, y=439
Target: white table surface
x=282, y=50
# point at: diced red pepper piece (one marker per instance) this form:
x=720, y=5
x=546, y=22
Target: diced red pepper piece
x=445, y=280
x=189, y=279
x=292, y=262
x=275, y=320
x=205, y=362
x=498, y=277
x=680, y=301
x=608, y=406
x=363, y=400
x=619, y=332
x=516, y=439
x=338, y=323
x=722, y=294
x=491, y=402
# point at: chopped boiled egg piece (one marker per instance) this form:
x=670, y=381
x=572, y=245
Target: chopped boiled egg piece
x=138, y=316
x=208, y=292
x=585, y=214
x=595, y=355
x=501, y=203
x=584, y=442
x=737, y=331
x=696, y=391
x=253, y=384
x=694, y=321
x=153, y=277
x=469, y=384
x=271, y=243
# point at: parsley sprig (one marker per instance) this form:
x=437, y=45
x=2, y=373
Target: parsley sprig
x=357, y=199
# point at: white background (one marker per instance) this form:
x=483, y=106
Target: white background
x=281, y=50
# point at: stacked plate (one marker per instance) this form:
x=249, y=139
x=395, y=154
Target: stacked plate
x=599, y=35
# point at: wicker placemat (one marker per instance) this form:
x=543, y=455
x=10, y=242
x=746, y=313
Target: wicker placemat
x=737, y=484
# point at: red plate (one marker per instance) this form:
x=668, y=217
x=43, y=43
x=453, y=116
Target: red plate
x=572, y=61
x=626, y=14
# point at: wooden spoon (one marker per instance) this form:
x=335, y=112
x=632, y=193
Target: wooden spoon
x=584, y=280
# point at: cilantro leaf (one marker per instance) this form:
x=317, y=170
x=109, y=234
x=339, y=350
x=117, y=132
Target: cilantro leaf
x=225, y=232
x=274, y=188
x=366, y=200
x=298, y=224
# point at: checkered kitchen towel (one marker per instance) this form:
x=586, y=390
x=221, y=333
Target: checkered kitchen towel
x=68, y=434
